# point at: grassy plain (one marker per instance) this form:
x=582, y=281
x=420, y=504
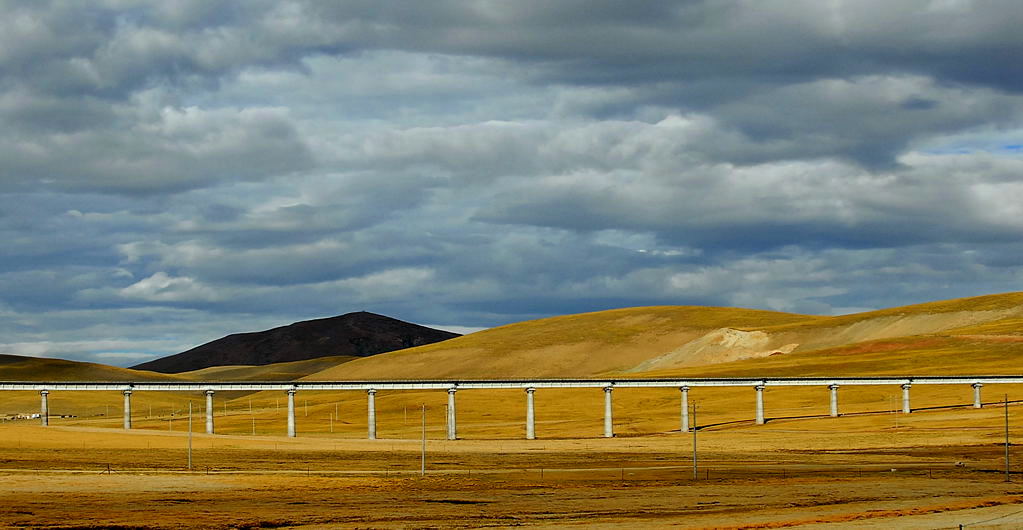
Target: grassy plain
x=936, y=467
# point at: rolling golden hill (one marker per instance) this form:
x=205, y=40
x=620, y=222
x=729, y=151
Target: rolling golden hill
x=19, y=368
x=269, y=372
x=724, y=341
x=566, y=346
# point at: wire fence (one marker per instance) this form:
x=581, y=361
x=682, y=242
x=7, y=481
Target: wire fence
x=406, y=465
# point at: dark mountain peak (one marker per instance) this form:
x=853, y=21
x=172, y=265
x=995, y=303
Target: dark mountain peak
x=359, y=334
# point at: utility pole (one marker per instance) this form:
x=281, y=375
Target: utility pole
x=1007, y=479
x=694, y=440
x=189, y=435
x=895, y=416
x=422, y=460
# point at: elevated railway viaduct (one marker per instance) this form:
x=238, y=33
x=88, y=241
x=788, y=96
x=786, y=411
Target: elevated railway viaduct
x=529, y=386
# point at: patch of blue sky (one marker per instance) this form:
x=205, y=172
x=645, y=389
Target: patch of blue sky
x=993, y=142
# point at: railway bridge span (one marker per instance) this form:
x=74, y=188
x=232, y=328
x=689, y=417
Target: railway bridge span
x=529, y=386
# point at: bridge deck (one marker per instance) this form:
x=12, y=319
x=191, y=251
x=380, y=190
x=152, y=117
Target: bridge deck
x=465, y=384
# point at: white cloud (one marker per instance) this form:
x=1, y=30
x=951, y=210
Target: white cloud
x=390, y=284
x=161, y=287
x=462, y=330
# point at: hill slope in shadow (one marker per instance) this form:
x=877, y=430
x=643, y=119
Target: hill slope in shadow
x=359, y=334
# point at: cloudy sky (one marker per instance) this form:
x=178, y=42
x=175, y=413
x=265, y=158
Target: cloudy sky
x=174, y=171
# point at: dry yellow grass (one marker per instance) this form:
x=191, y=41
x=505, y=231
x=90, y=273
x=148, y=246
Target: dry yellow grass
x=270, y=372
x=477, y=494
x=904, y=356
x=1005, y=326
x=500, y=414
x=938, y=466
x=994, y=303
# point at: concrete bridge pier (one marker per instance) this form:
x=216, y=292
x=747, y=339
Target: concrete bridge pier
x=760, y=404
x=905, y=398
x=291, y=412
x=127, y=409
x=834, y=400
x=44, y=408
x=977, y=403
x=209, y=411
x=608, y=421
x=530, y=415
x=452, y=425
x=685, y=409
x=371, y=420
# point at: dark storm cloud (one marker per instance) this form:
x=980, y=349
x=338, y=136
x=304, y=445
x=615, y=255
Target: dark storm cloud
x=612, y=42
x=120, y=44
x=174, y=171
